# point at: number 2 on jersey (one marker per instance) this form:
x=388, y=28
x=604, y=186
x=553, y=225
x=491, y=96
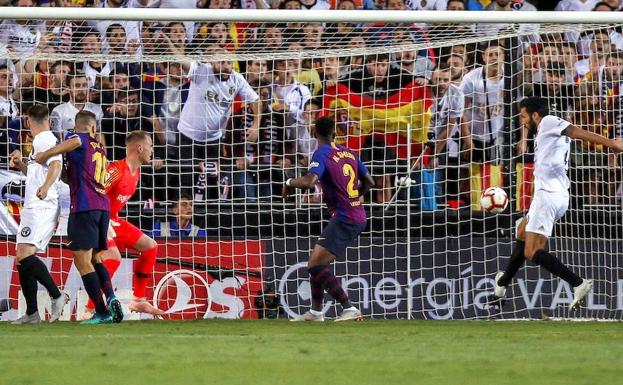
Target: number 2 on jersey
x=348, y=171
x=100, y=167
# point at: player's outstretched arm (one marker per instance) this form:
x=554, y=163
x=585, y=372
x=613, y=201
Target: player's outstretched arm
x=305, y=182
x=61, y=148
x=574, y=132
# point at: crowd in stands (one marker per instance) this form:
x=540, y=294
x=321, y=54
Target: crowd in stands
x=236, y=129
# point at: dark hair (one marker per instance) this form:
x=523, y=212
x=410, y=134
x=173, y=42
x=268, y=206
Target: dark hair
x=60, y=63
x=377, y=57
x=603, y=3
x=325, y=127
x=443, y=66
x=535, y=104
x=136, y=136
x=85, y=118
x=38, y=112
x=73, y=76
x=456, y=1
x=3, y=67
x=114, y=26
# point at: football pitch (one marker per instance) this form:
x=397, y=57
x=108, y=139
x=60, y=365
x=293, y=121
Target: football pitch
x=280, y=352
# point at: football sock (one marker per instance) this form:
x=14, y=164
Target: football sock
x=143, y=268
x=29, y=288
x=37, y=268
x=554, y=266
x=514, y=264
x=322, y=277
x=104, y=277
x=111, y=265
x=94, y=290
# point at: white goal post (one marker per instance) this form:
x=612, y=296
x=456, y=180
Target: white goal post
x=428, y=99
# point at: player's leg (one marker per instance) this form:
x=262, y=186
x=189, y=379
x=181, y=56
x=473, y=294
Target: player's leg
x=143, y=270
x=111, y=260
x=83, y=231
x=517, y=260
x=28, y=283
x=36, y=230
x=551, y=207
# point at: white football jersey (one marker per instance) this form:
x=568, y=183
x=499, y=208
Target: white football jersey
x=63, y=117
x=37, y=173
x=551, y=155
x=208, y=106
x=427, y=5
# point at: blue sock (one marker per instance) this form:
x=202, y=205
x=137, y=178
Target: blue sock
x=94, y=289
x=105, y=280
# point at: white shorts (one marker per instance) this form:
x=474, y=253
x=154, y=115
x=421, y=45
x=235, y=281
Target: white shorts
x=545, y=209
x=37, y=226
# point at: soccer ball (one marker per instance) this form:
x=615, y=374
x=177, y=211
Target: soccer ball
x=493, y=200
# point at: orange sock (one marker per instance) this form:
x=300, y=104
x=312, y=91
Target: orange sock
x=111, y=266
x=143, y=269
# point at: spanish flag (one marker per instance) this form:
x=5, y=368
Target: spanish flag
x=525, y=186
x=408, y=107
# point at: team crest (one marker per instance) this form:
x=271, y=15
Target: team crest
x=232, y=90
x=25, y=231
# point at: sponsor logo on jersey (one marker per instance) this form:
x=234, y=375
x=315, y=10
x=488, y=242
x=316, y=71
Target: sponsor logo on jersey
x=123, y=198
x=314, y=164
x=25, y=231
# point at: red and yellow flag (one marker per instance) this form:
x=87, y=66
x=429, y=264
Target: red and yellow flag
x=408, y=107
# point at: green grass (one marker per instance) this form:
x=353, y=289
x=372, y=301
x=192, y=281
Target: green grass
x=279, y=352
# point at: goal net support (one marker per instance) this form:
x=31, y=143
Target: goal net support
x=429, y=101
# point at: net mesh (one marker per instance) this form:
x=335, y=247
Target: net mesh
x=430, y=109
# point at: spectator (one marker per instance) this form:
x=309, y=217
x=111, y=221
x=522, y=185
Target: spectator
x=289, y=98
x=424, y=5
x=63, y=116
x=559, y=95
x=258, y=167
x=8, y=111
x=600, y=47
x=576, y=5
x=54, y=92
x=122, y=118
x=446, y=113
x=93, y=69
x=490, y=29
x=416, y=63
x=377, y=79
x=315, y=4
x=22, y=36
x=180, y=223
x=483, y=89
x=257, y=71
x=205, y=116
x=568, y=56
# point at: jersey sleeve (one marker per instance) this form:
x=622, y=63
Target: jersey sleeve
x=361, y=168
x=457, y=102
x=113, y=176
x=55, y=121
x=317, y=164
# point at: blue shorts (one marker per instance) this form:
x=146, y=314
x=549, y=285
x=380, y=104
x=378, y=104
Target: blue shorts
x=88, y=230
x=337, y=235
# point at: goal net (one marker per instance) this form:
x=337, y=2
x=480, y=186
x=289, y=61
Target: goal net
x=431, y=109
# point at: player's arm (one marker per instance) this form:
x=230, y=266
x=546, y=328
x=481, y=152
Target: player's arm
x=365, y=179
x=54, y=171
x=305, y=182
x=16, y=162
x=62, y=148
x=574, y=132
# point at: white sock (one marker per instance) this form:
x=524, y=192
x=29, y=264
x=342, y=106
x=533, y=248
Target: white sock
x=352, y=308
x=315, y=312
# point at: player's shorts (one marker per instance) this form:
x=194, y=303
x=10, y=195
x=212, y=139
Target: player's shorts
x=338, y=235
x=37, y=226
x=88, y=230
x=545, y=209
x=126, y=234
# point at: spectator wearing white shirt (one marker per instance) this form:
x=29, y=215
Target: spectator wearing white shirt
x=91, y=45
x=576, y=5
x=63, y=116
x=289, y=98
x=484, y=100
x=206, y=116
x=22, y=36
x=8, y=107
